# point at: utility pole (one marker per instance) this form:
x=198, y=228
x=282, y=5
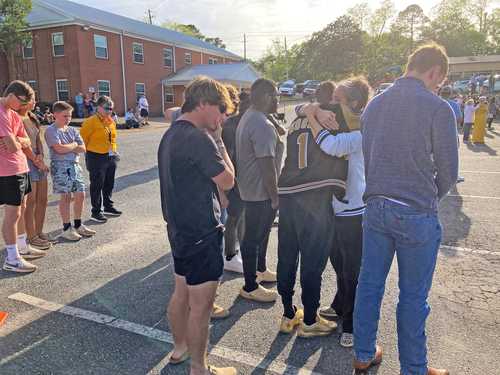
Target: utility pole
x=150, y=16
x=245, y=47
x=286, y=59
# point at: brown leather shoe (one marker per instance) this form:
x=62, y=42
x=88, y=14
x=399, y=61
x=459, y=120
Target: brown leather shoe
x=361, y=367
x=437, y=371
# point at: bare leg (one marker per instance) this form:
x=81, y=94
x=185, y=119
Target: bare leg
x=78, y=204
x=12, y=214
x=21, y=229
x=64, y=207
x=201, y=299
x=29, y=212
x=41, y=205
x=178, y=313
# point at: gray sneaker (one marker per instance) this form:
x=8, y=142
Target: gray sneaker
x=31, y=253
x=71, y=234
x=19, y=265
x=85, y=231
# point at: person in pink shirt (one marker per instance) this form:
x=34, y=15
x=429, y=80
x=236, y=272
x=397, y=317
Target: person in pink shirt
x=14, y=179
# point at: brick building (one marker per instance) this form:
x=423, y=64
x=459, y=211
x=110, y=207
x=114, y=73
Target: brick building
x=75, y=48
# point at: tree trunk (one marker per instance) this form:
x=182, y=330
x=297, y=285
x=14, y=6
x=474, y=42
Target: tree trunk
x=11, y=63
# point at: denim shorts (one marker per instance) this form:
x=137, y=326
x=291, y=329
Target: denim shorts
x=36, y=174
x=66, y=177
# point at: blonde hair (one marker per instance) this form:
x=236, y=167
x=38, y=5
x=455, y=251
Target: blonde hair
x=203, y=90
x=234, y=95
x=356, y=89
x=426, y=57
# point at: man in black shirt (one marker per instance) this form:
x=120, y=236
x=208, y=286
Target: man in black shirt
x=193, y=163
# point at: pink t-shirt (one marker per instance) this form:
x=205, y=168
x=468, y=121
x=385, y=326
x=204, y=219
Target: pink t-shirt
x=12, y=163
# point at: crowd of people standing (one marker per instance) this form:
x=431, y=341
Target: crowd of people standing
x=24, y=173
x=361, y=183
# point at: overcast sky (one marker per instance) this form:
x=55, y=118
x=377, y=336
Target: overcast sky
x=261, y=20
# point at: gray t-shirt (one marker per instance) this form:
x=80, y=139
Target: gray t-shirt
x=63, y=136
x=256, y=137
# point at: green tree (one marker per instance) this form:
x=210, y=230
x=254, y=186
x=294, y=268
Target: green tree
x=360, y=13
x=274, y=62
x=12, y=31
x=410, y=23
x=193, y=31
x=381, y=17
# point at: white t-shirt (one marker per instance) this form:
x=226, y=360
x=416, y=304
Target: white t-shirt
x=143, y=103
x=469, y=111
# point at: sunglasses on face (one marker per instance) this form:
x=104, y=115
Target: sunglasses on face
x=108, y=109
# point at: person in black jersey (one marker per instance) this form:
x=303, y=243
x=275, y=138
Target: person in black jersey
x=308, y=180
x=193, y=164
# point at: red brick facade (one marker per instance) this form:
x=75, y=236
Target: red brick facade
x=82, y=69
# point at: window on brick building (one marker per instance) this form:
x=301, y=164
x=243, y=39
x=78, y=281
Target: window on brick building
x=101, y=46
x=103, y=88
x=62, y=87
x=140, y=90
x=188, y=59
x=168, y=94
x=212, y=61
x=28, y=49
x=58, y=44
x=34, y=86
x=168, y=57
x=138, y=50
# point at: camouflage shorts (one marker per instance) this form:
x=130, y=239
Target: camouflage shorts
x=66, y=177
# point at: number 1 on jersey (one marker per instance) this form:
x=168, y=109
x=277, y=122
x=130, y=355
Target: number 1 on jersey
x=302, y=140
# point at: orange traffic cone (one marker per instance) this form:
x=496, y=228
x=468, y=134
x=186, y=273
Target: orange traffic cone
x=3, y=317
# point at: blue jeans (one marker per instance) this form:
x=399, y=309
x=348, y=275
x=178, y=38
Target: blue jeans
x=415, y=237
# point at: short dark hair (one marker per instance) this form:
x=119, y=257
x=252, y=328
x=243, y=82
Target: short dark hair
x=324, y=93
x=259, y=89
x=61, y=107
x=103, y=99
x=20, y=88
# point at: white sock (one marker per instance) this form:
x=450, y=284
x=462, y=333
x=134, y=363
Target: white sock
x=21, y=241
x=12, y=253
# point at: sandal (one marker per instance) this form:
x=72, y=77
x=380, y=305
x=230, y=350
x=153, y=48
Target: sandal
x=177, y=361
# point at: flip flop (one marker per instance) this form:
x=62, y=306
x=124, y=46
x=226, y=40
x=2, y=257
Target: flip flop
x=177, y=361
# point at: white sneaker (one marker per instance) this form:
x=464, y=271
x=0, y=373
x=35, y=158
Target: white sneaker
x=19, y=265
x=235, y=264
x=31, y=253
x=70, y=234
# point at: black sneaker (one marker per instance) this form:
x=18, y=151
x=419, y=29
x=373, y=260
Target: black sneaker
x=112, y=212
x=100, y=218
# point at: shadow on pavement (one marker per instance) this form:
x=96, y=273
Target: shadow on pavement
x=136, y=178
x=481, y=148
x=458, y=224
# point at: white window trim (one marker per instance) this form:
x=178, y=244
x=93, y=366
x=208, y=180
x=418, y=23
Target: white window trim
x=135, y=87
x=109, y=85
x=172, y=57
x=186, y=54
x=133, y=53
x=173, y=94
x=213, y=61
x=57, y=87
x=53, y=45
x=95, y=48
x=32, y=52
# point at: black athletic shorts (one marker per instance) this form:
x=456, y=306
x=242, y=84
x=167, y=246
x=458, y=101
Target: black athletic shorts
x=144, y=112
x=206, y=265
x=14, y=188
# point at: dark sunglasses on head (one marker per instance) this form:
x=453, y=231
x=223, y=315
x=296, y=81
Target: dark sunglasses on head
x=23, y=101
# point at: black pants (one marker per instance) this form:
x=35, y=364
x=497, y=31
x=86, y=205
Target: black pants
x=306, y=227
x=467, y=129
x=102, y=168
x=489, y=122
x=235, y=222
x=346, y=260
x=259, y=217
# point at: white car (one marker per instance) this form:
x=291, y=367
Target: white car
x=287, y=89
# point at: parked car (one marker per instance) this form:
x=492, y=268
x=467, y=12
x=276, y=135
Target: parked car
x=461, y=86
x=299, y=87
x=382, y=87
x=287, y=88
x=310, y=88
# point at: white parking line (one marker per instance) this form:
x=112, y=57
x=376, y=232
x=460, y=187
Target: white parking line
x=111, y=321
x=472, y=196
x=470, y=251
x=481, y=172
